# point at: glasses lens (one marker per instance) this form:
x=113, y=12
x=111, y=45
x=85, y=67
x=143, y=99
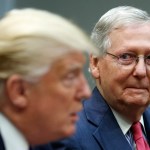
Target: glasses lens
x=129, y=60
x=126, y=58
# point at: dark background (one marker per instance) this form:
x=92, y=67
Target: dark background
x=85, y=13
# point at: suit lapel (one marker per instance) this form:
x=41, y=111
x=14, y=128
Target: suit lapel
x=109, y=134
x=146, y=118
x=107, y=131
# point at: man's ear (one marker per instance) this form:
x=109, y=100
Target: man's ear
x=94, y=67
x=15, y=90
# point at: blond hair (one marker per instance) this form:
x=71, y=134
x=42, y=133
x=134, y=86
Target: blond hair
x=32, y=39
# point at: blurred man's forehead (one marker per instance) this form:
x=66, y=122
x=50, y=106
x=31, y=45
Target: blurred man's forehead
x=70, y=61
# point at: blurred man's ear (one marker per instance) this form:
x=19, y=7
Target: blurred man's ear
x=15, y=91
x=94, y=67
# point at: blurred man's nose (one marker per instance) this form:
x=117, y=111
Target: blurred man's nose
x=84, y=90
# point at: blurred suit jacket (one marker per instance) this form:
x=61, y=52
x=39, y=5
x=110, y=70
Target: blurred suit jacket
x=42, y=147
x=1, y=143
x=98, y=129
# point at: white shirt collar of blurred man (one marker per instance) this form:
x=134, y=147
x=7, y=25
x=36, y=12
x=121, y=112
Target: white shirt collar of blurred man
x=12, y=138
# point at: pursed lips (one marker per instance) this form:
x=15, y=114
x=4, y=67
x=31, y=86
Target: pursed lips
x=138, y=89
x=138, y=86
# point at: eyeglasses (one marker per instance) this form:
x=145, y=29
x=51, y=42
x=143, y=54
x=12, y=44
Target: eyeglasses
x=129, y=60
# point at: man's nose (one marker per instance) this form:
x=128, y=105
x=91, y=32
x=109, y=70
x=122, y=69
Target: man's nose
x=84, y=90
x=140, y=68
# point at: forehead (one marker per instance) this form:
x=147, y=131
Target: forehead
x=68, y=62
x=133, y=29
x=137, y=36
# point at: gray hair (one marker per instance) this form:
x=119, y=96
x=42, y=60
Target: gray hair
x=113, y=19
x=31, y=40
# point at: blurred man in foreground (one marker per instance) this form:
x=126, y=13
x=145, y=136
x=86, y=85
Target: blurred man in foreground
x=41, y=78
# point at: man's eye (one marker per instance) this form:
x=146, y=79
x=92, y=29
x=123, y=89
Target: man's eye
x=69, y=79
x=127, y=56
x=148, y=59
x=70, y=76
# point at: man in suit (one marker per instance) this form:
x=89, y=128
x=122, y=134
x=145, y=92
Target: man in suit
x=41, y=78
x=121, y=97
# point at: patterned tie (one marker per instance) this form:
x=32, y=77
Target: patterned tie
x=138, y=137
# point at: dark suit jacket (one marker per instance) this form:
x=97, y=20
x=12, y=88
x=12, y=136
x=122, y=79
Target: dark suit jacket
x=42, y=147
x=1, y=144
x=98, y=129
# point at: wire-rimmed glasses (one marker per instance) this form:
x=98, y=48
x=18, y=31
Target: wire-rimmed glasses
x=129, y=60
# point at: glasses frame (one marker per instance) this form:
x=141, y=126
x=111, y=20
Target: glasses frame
x=134, y=60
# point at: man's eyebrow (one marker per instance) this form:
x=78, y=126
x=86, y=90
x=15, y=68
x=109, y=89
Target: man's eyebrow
x=74, y=66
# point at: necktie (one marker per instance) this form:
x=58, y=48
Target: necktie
x=138, y=137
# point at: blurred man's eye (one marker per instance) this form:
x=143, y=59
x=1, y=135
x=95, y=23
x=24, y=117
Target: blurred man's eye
x=70, y=79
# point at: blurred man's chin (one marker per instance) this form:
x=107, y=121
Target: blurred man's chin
x=69, y=130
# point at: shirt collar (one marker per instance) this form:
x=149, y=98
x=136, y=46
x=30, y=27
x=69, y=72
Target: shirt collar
x=12, y=137
x=124, y=124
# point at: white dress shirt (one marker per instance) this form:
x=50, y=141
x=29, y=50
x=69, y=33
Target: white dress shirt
x=125, y=126
x=12, y=138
